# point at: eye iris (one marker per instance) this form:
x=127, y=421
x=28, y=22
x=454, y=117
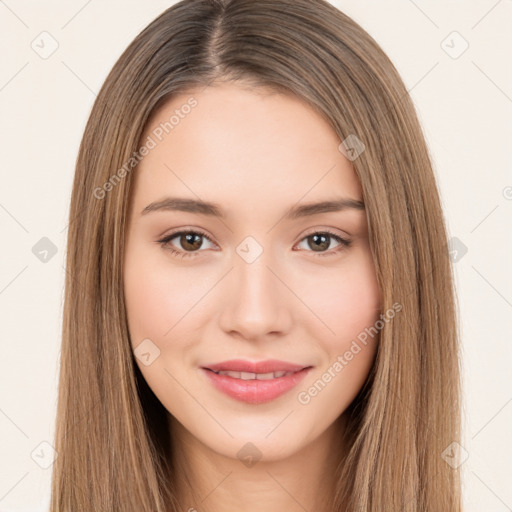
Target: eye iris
x=191, y=239
x=320, y=241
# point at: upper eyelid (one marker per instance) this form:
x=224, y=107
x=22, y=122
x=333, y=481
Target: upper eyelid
x=180, y=231
x=200, y=232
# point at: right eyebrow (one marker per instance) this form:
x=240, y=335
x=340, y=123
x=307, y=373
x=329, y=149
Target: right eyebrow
x=184, y=205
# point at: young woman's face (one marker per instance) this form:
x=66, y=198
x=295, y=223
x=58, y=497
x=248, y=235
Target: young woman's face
x=256, y=283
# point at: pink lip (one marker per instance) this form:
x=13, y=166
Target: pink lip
x=267, y=366
x=255, y=391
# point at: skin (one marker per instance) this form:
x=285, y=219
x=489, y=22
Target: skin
x=255, y=153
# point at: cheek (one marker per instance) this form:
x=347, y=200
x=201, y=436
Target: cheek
x=346, y=300
x=158, y=297
x=355, y=308
x=349, y=306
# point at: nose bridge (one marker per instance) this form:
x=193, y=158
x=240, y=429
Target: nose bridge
x=255, y=306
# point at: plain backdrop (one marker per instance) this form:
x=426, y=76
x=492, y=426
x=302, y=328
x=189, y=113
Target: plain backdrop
x=455, y=59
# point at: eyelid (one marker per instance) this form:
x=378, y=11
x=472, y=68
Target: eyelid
x=331, y=231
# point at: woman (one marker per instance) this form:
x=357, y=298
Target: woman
x=259, y=309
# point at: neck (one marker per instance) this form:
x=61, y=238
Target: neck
x=207, y=481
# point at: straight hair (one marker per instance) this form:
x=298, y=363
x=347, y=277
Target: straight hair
x=111, y=435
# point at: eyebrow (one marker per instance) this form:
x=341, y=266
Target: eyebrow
x=215, y=210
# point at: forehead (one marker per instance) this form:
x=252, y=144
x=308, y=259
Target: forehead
x=242, y=147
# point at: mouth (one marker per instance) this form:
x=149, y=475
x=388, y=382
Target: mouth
x=255, y=383
x=253, y=376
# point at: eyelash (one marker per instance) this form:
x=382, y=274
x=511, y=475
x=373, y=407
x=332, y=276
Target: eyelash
x=184, y=254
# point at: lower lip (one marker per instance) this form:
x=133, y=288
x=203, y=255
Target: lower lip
x=255, y=391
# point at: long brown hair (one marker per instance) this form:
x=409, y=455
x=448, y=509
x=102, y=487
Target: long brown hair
x=111, y=431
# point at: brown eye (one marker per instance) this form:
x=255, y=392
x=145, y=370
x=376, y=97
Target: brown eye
x=190, y=242
x=320, y=242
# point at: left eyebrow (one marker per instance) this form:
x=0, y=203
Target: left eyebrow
x=214, y=209
x=305, y=210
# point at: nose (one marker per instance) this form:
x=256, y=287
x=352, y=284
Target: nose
x=258, y=303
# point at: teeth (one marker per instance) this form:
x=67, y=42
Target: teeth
x=254, y=376
x=267, y=376
x=235, y=375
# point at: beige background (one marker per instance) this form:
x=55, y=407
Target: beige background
x=465, y=106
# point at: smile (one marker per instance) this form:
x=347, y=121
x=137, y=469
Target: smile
x=255, y=388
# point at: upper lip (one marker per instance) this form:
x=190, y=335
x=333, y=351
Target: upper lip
x=267, y=366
